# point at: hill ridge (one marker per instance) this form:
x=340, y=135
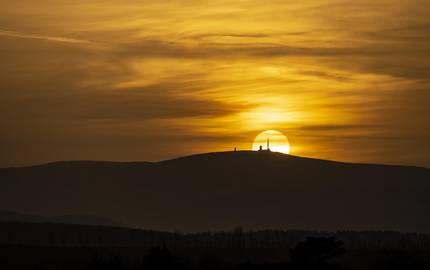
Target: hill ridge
x=217, y=191
x=197, y=155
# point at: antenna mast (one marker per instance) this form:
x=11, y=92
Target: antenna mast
x=268, y=148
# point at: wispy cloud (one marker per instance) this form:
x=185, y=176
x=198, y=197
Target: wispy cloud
x=44, y=37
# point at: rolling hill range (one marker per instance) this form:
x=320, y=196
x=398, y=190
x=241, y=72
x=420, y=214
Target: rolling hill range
x=218, y=191
x=9, y=216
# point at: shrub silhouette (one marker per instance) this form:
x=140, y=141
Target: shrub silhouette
x=98, y=263
x=315, y=253
x=161, y=258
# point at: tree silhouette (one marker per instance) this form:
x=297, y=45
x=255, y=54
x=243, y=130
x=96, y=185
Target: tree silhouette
x=99, y=263
x=160, y=258
x=315, y=253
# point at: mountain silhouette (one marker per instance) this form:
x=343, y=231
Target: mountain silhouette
x=219, y=191
x=9, y=216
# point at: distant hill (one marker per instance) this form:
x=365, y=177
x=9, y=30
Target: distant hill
x=9, y=216
x=218, y=191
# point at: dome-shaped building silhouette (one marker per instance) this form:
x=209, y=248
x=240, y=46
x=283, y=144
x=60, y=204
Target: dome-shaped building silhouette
x=267, y=146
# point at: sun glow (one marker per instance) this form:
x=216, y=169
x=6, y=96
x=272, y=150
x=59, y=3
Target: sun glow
x=278, y=142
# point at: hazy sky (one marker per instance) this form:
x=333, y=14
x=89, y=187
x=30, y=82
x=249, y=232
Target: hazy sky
x=149, y=80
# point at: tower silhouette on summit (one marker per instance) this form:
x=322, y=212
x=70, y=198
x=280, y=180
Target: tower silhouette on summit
x=267, y=146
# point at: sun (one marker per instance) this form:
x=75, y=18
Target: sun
x=278, y=141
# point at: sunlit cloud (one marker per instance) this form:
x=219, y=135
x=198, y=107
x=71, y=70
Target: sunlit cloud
x=343, y=80
x=42, y=37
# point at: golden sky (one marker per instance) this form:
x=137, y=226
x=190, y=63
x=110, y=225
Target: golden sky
x=150, y=80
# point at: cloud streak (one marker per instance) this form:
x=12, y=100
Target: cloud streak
x=42, y=37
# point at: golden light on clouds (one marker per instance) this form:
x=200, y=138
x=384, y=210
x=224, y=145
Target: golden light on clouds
x=148, y=80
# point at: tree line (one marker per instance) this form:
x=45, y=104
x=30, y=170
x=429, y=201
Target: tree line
x=52, y=235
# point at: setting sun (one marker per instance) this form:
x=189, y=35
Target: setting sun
x=278, y=142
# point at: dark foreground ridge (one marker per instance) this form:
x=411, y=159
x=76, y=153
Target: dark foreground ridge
x=218, y=191
x=64, y=246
